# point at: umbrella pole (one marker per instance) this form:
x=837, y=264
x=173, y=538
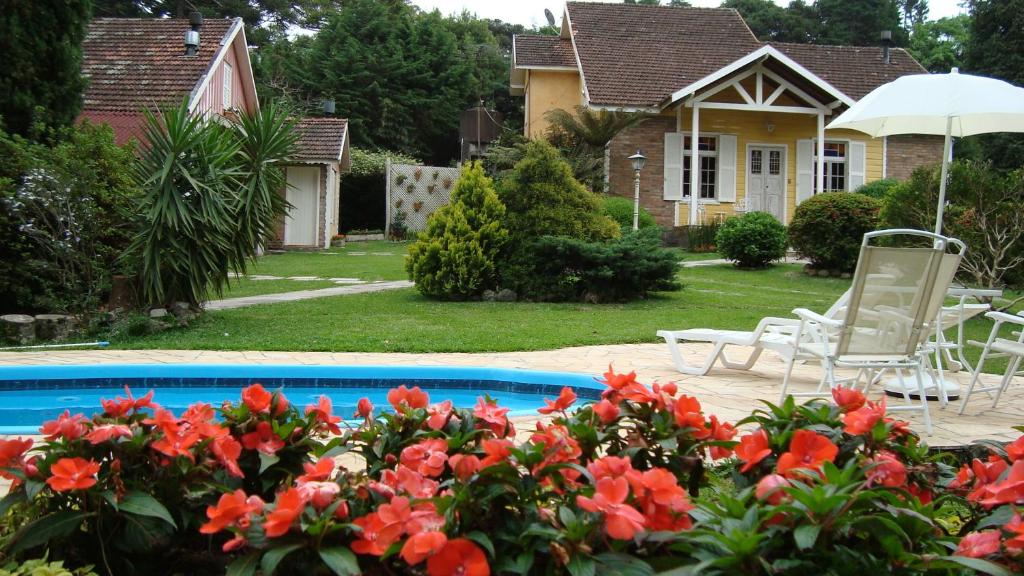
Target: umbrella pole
x=944, y=175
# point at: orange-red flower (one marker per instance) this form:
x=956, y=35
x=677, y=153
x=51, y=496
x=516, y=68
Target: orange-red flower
x=323, y=409
x=319, y=494
x=807, y=450
x=375, y=536
x=1015, y=526
x=69, y=474
x=227, y=450
x=1015, y=450
x=12, y=454
x=65, y=426
x=606, y=411
x=177, y=443
x=1009, y=490
x=621, y=521
x=200, y=417
x=613, y=466
x=421, y=546
x=364, y=408
x=688, y=414
x=257, y=398
x=752, y=449
x=887, y=470
x=464, y=466
x=438, y=415
x=427, y=457
x=411, y=398
x=565, y=399
x=107, y=432
x=848, y=399
x=459, y=557
x=119, y=407
x=862, y=420
x=495, y=418
x=287, y=508
x=664, y=503
x=496, y=451
x=230, y=510
x=979, y=544
x=318, y=472
x=771, y=489
x=263, y=438
x=721, y=432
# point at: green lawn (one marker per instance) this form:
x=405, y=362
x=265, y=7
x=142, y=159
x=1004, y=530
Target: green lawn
x=367, y=261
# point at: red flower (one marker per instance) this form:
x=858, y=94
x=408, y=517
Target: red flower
x=495, y=452
x=464, y=466
x=318, y=472
x=771, y=489
x=12, y=456
x=165, y=420
x=807, y=450
x=364, y=408
x=459, y=557
x=231, y=509
x=410, y=398
x=1016, y=527
x=263, y=438
x=287, y=508
x=721, y=432
x=227, y=450
x=688, y=414
x=979, y=544
x=257, y=399
x=848, y=399
x=421, y=546
x=887, y=470
x=752, y=449
x=664, y=503
x=322, y=409
x=375, y=536
x=65, y=426
x=496, y=418
x=862, y=420
x=200, y=416
x=606, y=411
x=1010, y=490
x=669, y=388
x=621, y=520
x=427, y=457
x=618, y=381
x=178, y=443
x=1015, y=449
x=439, y=414
x=320, y=494
x=69, y=474
x=610, y=466
x=565, y=399
x=119, y=407
x=107, y=432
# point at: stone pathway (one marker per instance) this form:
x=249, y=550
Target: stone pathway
x=232, y=303
x=730, y=394
x=717, y=261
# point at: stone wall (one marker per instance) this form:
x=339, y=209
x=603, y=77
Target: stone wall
x=906, y=153
x=648, y=136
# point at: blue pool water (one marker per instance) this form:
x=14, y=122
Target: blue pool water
x=30, y=395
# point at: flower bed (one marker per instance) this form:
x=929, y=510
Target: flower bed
x=639, y=482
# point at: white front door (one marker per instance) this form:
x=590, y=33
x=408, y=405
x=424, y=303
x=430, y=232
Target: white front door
x=300, y=226
x=766, y=183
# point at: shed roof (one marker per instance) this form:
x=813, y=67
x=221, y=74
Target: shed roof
x=322, y=139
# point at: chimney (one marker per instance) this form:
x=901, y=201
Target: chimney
x=195, y=21
x=887, y=46
x=328, y=107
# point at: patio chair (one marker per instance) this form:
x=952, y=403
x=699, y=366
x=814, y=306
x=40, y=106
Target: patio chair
x=894, y=302
x=998, y=347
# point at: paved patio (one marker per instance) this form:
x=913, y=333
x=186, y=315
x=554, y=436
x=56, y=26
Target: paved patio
x=731, y=394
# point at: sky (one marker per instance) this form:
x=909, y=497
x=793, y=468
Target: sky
x=531, y=12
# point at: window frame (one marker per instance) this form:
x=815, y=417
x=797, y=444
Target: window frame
x=227, y=81
x=687, y=153
x=829, y=162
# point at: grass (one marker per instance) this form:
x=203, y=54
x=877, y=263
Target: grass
x=367, y=261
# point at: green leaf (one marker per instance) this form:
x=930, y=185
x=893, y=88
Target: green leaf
x=41, y=531
x=999, y=517
x=33, y=487
x=979, y=565
x=623, y=565
x=12, y=499
x=806, y=536
x=567, y=516
x=267, y=460
x=580, y=565
x=244, y=565
x=274, y=556
x=143, y=504
x=483, y=540
x=340, y=560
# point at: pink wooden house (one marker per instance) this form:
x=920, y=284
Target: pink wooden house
x=134, y=64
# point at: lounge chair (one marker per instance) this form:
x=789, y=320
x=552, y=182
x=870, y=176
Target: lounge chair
x=998, y=347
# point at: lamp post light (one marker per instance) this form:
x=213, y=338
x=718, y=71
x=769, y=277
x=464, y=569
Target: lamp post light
x=638, y=161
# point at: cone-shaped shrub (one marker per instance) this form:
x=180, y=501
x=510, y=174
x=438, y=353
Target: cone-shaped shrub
x=454, y=258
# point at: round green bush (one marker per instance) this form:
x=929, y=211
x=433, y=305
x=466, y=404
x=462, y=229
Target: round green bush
x=620, y=209
x=827, y=229
x=878, y=189
x=753, y=240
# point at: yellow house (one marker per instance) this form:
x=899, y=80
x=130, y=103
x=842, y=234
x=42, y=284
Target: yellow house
x=756, y=110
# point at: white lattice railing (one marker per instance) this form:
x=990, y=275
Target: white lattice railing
x=416, y=192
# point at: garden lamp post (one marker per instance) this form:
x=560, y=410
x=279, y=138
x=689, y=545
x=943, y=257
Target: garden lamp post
x=638, y=161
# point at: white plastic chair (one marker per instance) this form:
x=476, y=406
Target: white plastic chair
x=998, y=347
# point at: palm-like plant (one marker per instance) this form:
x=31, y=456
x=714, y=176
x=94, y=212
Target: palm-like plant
x=593, y=129
x=211, y=197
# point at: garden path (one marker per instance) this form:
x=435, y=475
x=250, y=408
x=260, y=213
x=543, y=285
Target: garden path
x=230, y=303
x=730, y=394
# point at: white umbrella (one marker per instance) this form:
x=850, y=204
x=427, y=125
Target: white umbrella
x=940, y=104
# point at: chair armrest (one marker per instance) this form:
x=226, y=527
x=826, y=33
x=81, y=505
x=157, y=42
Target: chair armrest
x=1004, y=317
x=809, y=316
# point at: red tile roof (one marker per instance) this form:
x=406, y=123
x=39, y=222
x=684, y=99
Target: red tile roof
x=856, y=70
x=639, y=55
x=321, y=139
x=133, y=63
x=545, y=51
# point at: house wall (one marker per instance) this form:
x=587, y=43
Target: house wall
x=749, y=127
x=904, y=154
x=546, y=90
x=211, y=100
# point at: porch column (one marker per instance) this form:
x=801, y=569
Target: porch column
x=694, y=164
x=819, y=172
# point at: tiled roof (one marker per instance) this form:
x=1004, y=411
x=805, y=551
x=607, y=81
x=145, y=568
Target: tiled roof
x=321, y=139
x=856, y=70
x=132, y=63
x=127, y=126
x=544, y=51
x=639, y=55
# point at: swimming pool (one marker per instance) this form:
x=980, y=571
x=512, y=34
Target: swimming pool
x=31, y=395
